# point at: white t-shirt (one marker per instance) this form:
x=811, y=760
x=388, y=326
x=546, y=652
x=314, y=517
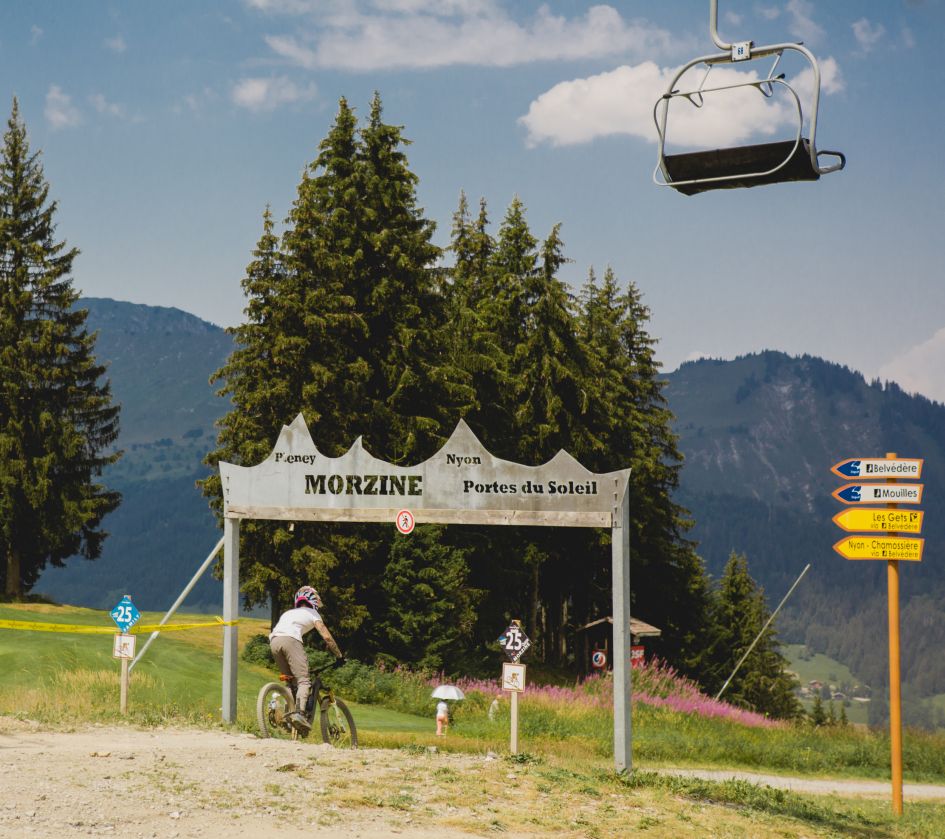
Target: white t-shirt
x=296, y=622
x=442, y=709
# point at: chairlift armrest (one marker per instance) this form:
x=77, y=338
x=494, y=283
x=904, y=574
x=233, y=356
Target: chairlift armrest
x=836, y=167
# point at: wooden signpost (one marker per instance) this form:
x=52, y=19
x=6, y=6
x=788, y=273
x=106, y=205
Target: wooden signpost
x=892, y=546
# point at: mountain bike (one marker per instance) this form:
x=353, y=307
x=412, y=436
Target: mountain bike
x=277, y=700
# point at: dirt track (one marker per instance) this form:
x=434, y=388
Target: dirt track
x=174, y=784
x=211, y=784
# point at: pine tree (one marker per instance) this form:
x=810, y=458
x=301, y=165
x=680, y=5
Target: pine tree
x=257, y=378
x=430, y=606
x=57, y=420
x=761, y=682
x=817, y=715
x=668, y=581
x=352, y=325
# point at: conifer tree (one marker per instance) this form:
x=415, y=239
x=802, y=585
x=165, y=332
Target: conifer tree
x=762, y=682
x=257, y=378
x=57, y=420
x=668, y=581
x=431, y=608
x=358, y=330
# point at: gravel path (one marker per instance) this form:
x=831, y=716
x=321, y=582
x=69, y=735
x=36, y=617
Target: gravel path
x=816, y=786
x=215, y=784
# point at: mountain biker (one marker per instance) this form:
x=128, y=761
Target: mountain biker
x=285, y=641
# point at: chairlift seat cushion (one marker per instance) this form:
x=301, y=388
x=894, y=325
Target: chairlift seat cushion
x=734, y=165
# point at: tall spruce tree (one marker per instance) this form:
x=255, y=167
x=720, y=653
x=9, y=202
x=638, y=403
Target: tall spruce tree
x=669, y=586
x=57, y=420
x=762, y=682
x=357, y=324
x=257, y=378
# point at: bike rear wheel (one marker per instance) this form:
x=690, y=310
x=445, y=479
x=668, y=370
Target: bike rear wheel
x=338, y=726
x=273, y=707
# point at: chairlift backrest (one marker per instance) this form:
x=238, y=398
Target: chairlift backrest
x=796, y=159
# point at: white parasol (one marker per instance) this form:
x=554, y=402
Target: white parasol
x=447, y=692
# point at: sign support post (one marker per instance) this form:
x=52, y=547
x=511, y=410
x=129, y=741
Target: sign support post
x=895, y=684
x=513, y=745
x=231, y=600
x=620, y=564
x=123, y=700
x=463, y=483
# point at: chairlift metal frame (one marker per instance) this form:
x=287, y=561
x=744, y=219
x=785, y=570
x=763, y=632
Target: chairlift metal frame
x=745, y=166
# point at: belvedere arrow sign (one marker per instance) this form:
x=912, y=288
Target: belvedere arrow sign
x=879, y=494
x=876, y=520
x=874, y=468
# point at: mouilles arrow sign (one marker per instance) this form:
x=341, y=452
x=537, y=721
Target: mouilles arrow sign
x=880, y=547
x=879, y=494
x=877, y=520
x=872, y=468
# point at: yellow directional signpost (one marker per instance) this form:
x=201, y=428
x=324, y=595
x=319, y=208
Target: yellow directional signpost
x=892, y=547
x=879, y=520
x=880, y=547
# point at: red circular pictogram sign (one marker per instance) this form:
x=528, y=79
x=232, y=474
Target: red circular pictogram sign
x=405, y=521
x=599, y=660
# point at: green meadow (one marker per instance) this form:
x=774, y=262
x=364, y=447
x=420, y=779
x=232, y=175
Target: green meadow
x=67, y=680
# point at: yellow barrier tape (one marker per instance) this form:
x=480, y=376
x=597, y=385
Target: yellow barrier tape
x=33, y=626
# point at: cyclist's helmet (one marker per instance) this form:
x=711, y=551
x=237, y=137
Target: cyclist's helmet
x=307, y=596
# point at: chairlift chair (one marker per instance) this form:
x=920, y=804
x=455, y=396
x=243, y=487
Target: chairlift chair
x=796, y=159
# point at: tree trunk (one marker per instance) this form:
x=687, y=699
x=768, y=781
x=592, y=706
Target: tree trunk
x=533, y=616
x=14, y=582
x=274, y=611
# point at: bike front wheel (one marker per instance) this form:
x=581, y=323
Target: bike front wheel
x=273, y=707
x=338, y=726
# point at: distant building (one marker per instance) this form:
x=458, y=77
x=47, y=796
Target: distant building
x=599, y=636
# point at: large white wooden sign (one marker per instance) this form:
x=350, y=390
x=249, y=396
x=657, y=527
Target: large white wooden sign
x=461, y=484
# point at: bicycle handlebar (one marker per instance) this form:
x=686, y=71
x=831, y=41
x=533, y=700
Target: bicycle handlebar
x=336, y=663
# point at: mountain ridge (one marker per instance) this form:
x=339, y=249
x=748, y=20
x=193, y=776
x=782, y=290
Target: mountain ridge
x=758, y=433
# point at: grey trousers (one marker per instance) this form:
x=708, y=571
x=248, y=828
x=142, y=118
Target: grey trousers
x=290, y=656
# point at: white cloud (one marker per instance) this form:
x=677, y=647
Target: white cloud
x=867, y=34
x=36, y=33
x=365, y=35
x=103, y=106
x=267, y=94
x=768, y=12
x=621, y=102
x=802, y=23
x=920, y=369
x=59, y=111
x=908, y=38
x=116, y=44
x=733, y=18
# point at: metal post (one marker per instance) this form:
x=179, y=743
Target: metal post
x=514, y=744
x=714, y=26
x=123, y=698
x=187, y=589
x=620, y=562
x=741, y=661
x=231, y=594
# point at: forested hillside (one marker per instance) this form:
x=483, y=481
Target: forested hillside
x=759, y=435
x=159, y=362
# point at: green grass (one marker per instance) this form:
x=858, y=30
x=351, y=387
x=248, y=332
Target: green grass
x=820, y=667
x=829, y=671
x=68, y=679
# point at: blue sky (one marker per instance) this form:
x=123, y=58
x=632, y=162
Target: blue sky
x=166, y=128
